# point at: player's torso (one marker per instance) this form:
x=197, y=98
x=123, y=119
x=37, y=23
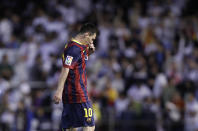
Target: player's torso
x=75, y=90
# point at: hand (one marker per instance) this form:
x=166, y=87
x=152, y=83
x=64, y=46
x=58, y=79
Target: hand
x=57, y=97
x=92, y=47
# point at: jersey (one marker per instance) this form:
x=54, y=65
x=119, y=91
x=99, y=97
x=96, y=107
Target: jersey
x=75, y=57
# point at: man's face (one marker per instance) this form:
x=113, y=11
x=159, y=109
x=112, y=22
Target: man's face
x=90, y=38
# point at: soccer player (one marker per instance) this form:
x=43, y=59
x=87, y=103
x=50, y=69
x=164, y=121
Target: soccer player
x=72, y=84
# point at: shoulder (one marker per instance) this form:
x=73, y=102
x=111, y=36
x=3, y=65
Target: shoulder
x=72, y=46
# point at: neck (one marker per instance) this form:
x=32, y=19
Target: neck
x=80, y=39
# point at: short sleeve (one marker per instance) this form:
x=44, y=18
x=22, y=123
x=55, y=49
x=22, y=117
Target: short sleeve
x=71, y=56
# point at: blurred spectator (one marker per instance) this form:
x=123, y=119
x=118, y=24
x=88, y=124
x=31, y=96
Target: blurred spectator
x=37, y=72
x=191, y=113
x=6, y=69
x=6, y=29
x=139, y=92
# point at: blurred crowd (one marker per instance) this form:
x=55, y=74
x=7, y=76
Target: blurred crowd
x=142, y=77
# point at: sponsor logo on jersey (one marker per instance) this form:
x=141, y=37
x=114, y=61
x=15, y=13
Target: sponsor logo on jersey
x=68, y=60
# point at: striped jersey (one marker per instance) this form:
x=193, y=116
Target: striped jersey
x=75, y=57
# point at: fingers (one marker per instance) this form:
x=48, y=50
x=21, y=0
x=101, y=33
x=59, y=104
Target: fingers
x=56, y=100
x=92, y=47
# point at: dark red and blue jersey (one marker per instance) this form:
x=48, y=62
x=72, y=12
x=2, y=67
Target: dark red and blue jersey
x=75, y=57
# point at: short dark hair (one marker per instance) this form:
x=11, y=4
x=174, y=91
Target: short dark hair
x=88, y=28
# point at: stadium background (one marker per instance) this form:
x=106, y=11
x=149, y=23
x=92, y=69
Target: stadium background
x=143, y=76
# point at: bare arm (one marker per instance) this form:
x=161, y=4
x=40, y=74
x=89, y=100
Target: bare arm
x=63, y=76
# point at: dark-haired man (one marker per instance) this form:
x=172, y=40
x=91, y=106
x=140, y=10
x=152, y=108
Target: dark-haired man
x=72, y=85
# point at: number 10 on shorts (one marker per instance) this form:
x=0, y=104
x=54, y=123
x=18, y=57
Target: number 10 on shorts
x=88, y=113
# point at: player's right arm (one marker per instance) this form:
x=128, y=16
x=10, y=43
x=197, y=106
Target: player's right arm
x=63, y=76
x=69, y=59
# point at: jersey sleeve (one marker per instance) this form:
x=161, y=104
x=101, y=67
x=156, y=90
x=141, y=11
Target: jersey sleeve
x=70, y=57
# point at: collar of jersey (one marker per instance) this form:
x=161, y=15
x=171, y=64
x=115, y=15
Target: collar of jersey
x=81, y=44
x=77, y=42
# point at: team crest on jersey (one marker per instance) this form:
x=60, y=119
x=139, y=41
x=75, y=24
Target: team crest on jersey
x=68, y=60
x=88, y=119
